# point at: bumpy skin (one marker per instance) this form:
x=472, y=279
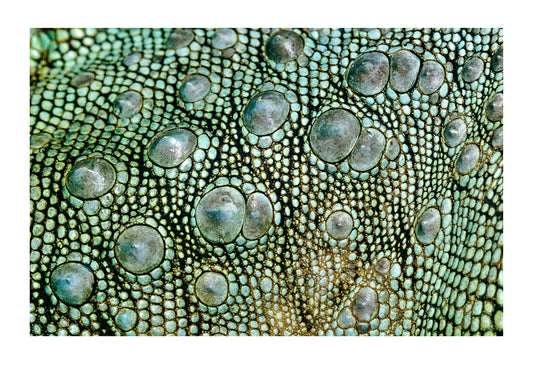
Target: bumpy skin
x=295, y=279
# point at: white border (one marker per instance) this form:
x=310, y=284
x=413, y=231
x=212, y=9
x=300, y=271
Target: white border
x=44, y=356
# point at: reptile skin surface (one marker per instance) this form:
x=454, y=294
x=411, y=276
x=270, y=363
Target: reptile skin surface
x=266, y=182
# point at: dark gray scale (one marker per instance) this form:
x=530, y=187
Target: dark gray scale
x=81, y=80
x=333, y=134
x=258, y=216
x=284, y=46
x=195, y=88
x=369, y=73
x=497, y=61
x=140, y=249
x=224, y=38
x=180, y=39
x=365, y=304
x=431, y=77
x=339, y=225
x=90, y=178
x=392, y=150
x=170, y=148
x=126, y=319
x=497, y=137
x=220, y=214
x=131, y=59
x=383, y=266
x=494, y=109
x=404, y=70
x=367, y=150
x=265, y=113
x=38, y=141
x=468, y=159
x=128, y=104
x=345, y=319
x=363, y=327
x=473, y=69
x=454, y=132
x=72, y=283
x=211, y=288
x=428, y=226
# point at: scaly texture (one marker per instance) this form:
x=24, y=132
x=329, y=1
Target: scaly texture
x=386, y=222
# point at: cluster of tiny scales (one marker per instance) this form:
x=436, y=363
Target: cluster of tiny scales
x=266, y=182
